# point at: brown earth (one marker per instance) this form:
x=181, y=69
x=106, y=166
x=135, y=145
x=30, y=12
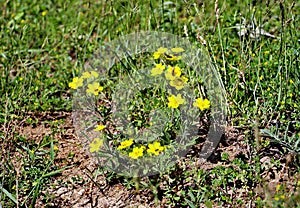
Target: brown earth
x=77, y=185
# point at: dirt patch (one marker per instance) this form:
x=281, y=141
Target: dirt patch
x=83, y=184
x=76, y=186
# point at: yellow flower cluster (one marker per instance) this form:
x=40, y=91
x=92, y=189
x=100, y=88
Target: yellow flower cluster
x=154, y=148
x=93, y=88
x=174, y=76
x=173, y=73
x=281, y=197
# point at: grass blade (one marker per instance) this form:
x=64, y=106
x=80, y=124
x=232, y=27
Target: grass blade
x=9, y=195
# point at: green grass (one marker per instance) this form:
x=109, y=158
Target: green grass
x=43, y=45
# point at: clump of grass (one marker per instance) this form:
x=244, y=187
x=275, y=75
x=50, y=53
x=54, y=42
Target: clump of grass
x=27, y=169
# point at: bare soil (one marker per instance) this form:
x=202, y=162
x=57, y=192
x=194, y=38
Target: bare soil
x=77, y=187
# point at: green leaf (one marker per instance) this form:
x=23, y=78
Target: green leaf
x=192, y=196
x=9, y=195
x=19, y=16
x=52, y=153
x=56, y=171
x=191, y=204
x=176, y=198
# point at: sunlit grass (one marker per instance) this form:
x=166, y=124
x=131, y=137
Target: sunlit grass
x=44, y=45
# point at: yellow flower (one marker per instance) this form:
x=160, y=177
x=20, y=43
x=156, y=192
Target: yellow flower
x=77, y=82
x=137, y=152
x=202, y=104
x=175, y=101
x=155, y=148
x=178, y=82
x=266, y=52
x=173, y=58
x=159, y=68
x=160, y=51
x=276, y=198
x=268, y=89
x=156, y=55
x=291, y=81
x=295, y=105
x=96, y=144
x=278, y=187
x=99, y=128
x=86, y=75
x=177, y=50
x=261, y=77
x=94, y=74
x=156, y=71
x=44, y=13
x=94, y=88
x=125, y=144
x=55, y=148
x=172, y=73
